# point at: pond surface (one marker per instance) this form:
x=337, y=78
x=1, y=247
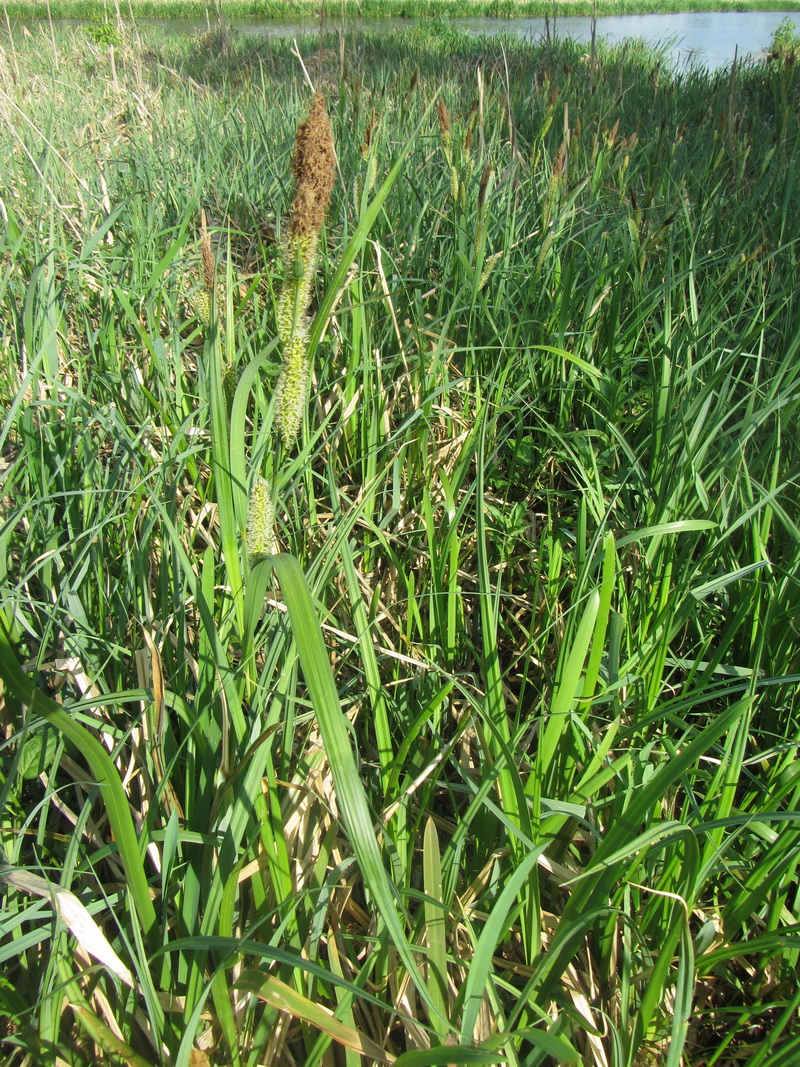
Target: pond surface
x=704, y=39
x=707, y=38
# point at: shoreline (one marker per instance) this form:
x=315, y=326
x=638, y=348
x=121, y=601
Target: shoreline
x=289, y=9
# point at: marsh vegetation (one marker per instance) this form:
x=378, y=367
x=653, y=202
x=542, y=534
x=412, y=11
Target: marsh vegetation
x=282, y=9
x=485, y=749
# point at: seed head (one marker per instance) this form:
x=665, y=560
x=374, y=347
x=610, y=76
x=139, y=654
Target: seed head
x=230, y=379
x=313, y=169
x=260, y=538
x=482, y=186
x=444, y=122
x=292, y=390
x=558, y=163
x=206, y=255
x=486, y=274
x=299, y=265
x=202, y=307
x=370, y=128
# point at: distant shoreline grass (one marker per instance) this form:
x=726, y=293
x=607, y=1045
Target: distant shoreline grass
x=384, y=8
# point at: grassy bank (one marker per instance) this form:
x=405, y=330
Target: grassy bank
x=380, y=8
x=461, y=726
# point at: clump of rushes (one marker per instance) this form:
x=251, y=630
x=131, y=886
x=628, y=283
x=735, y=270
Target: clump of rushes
x=260, y=522
x=313, y=170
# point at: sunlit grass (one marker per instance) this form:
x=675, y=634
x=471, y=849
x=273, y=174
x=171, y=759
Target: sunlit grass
x=292, y=9
x=500, y=751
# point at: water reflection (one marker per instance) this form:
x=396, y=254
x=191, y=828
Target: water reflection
x=707, y=38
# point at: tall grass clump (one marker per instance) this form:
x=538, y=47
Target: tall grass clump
x=448, y=712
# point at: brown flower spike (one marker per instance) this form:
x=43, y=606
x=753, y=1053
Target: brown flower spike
x=313, y=169
x=314, y=173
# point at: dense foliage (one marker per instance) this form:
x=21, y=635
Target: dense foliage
x=289, y=9
x=501, y=752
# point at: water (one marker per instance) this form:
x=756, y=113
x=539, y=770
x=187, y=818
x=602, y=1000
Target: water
x=706, y=39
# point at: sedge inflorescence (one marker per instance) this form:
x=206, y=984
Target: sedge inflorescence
x=313, y=170
x=260, y=521
x=203, y=297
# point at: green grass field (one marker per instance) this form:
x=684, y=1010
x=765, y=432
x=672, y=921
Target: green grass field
x=461, y=727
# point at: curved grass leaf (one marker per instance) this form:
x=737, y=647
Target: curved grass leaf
x=103, y=772
x=332, y=724
x=284, y=998
x=447, y=1055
